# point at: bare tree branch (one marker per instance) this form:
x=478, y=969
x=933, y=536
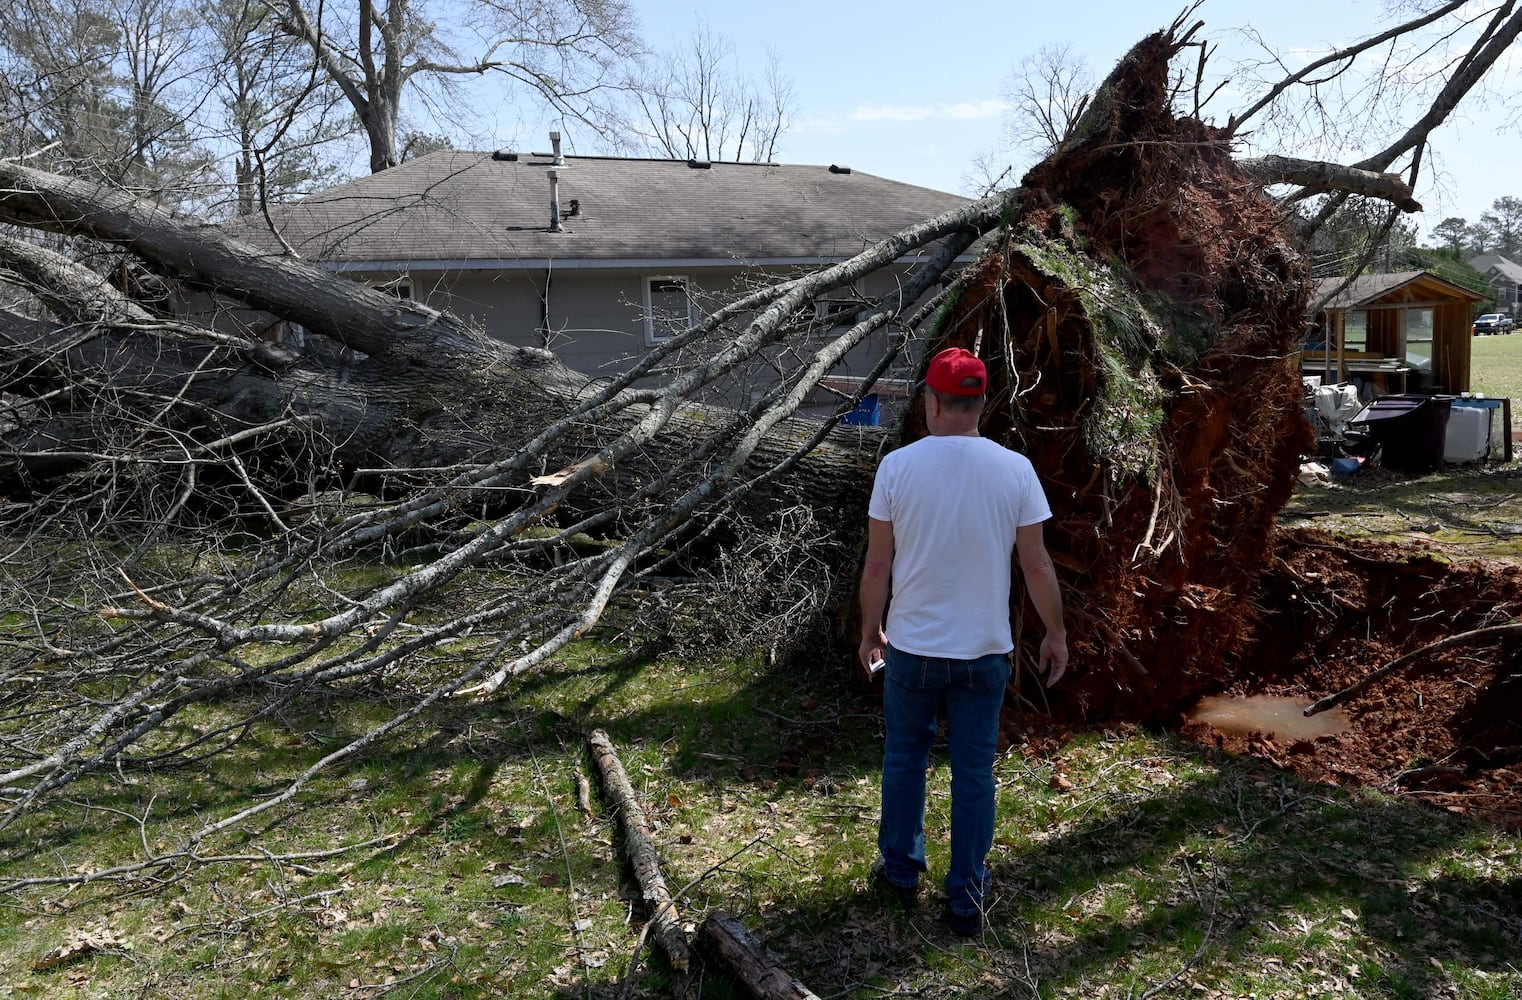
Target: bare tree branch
x=1317, y=175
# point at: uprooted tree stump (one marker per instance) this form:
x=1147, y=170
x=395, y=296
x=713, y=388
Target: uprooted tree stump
x=1137, y=316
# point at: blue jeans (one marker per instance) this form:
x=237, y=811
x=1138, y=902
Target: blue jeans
x=972, y=691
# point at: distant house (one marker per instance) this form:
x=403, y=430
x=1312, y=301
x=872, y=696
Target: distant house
x=1403, y=332
x=596, y=258
x=1504, y=277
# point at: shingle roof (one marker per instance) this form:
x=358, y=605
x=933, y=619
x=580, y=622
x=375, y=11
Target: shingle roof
x=465, y=206
x=1487, y=262
x=1366, y=288
x=1508, y=270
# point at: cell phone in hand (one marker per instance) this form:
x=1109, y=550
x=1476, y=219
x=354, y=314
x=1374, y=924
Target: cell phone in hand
x=874, y=667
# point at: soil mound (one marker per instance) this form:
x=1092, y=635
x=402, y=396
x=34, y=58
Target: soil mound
x=1447, y=727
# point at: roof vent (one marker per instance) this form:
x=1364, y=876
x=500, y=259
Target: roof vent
x=700, y=164
x=837, y=169
x=555, y=225
x=505, y=154
x=555, y=145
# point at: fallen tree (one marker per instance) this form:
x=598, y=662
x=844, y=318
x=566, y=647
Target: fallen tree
x=1136, y=305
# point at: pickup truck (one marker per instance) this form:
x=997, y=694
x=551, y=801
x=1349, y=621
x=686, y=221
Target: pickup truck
x=1491, y=323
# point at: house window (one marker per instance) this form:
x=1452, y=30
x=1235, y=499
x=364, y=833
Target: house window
x=839, y=306
x=668, y=307
x=1417, y=326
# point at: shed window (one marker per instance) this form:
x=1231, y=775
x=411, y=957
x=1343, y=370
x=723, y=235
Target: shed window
x=668, y=307
x=1417, y=326
x=1355, y=330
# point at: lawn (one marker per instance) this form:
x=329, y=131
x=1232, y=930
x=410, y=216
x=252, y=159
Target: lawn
x=1128, y=863
x=1495, y=369
x=464, y=860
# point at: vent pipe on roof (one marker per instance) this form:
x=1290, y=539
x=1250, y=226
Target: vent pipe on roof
x=555, y=226
x=836, y=168
x=555, y=147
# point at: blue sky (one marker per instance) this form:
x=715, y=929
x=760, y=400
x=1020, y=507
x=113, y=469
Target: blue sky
x=912, y=90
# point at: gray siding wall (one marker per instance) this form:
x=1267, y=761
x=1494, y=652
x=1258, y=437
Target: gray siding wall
x=594, y=318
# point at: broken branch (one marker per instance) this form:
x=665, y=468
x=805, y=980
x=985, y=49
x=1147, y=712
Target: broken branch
x=727, y=941
x=639, y=845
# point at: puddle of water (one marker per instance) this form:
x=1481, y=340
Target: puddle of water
x=1281, y=718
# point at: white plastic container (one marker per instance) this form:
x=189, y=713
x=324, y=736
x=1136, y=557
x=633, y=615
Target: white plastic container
x=1468, y=436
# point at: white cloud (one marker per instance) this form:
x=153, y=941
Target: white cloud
x=960, y=110
x=816, y=126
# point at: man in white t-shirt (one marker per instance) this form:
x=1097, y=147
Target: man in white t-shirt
x=946, y=516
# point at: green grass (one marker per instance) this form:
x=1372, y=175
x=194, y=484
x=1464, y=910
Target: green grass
x=1471, y=512
x=1495, y=369
x=1161, y=863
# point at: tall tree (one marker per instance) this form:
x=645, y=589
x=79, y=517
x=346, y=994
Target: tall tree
x=107, y=89
x=1452, y=233
x=163, y=81
x=1479, y=239
x=698, y=102
x=566, y=53
x=63, y=108
x=1504, y=224
x=279, y=112
x=1046, y=93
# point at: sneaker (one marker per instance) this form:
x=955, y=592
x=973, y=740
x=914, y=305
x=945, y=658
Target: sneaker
x=965, y=925
x=907, y=895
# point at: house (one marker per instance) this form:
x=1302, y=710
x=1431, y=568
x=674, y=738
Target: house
x=596, y=258
x=1401, y=332
x=1504, y=276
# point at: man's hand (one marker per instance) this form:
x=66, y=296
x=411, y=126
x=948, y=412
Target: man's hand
x=1054, y=659
x=873, y=647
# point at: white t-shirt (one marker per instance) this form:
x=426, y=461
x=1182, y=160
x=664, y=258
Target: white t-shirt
x=955, y=503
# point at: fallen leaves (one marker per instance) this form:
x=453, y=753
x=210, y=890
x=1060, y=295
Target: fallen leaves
x=79, y=945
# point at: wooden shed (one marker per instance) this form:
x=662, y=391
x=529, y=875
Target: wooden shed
x=1408, y=331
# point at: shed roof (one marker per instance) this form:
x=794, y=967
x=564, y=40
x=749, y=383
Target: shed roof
x=1367, y=289
x=482, y=209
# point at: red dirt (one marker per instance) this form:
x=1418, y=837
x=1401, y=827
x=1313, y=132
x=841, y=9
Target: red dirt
x=1447, y=727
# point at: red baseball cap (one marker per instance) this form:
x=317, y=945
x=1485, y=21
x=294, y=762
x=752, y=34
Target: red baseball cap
x=956, y=371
